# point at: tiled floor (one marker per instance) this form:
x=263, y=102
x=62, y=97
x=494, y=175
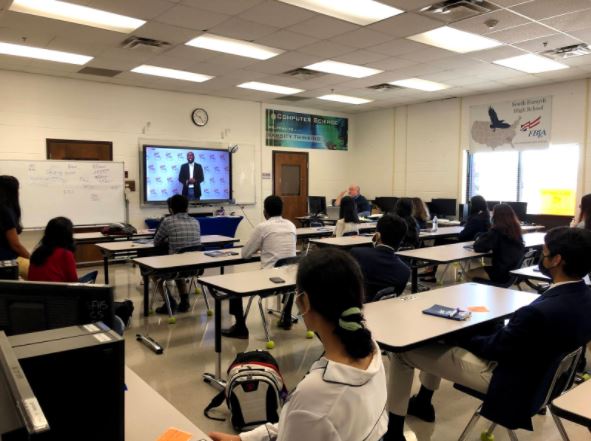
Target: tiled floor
x=188, y=353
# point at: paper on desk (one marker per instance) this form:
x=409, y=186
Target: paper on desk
x=173, y=434
x=478, y=309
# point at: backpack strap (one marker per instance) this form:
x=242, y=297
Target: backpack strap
x=217, y=401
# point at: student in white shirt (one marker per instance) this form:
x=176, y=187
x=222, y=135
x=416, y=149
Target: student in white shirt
x=276, y=239
x=348, y=218
x=343, y=397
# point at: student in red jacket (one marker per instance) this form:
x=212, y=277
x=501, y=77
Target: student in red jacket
x=53, y=259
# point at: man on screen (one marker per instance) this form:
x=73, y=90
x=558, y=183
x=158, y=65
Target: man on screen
x=191, y=176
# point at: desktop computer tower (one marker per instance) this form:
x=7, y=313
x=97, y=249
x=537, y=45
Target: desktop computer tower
x=77, y=375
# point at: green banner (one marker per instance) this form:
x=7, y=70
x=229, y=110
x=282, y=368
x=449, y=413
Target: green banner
x=303, y=130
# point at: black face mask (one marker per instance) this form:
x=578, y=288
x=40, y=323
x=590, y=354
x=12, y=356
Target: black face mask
x=545, y=271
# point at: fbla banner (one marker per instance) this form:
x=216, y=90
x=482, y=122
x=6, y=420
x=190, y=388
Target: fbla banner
x=303, y=130
x=522, y=124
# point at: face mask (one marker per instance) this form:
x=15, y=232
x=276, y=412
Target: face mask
x=545, y=271
x=300, y=314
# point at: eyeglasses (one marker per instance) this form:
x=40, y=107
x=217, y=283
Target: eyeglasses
x=299, y=294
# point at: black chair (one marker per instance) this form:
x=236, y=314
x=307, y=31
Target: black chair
x=351, y=233
x=561, y=381
x=527, y=260
x=387, y=293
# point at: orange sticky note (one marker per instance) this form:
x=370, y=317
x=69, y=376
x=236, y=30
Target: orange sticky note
x=173, y=434
x=477, y=309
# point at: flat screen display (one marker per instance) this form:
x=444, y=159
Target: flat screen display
x=201, y=174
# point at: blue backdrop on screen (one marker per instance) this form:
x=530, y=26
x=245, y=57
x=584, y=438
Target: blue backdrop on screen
x=162, y=166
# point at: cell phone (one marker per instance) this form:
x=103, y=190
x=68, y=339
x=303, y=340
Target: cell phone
x=276, y=280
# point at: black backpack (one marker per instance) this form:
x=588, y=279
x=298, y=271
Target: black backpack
x=255, y=391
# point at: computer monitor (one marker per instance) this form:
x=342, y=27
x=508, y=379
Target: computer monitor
x=491, y=204
x=316, y=205
x=37, y=306
x=443, y=207
x=463, y=211
x=520, y=209
x=386, y=203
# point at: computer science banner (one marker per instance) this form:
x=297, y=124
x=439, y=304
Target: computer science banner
x=303, y=130
x=521, y=124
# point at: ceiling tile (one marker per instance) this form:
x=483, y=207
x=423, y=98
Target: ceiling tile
x=409, y=5
x=323, y=27
x=521, y=33
x=165, y=32
x=583, y=35
x=231, y=61
x=361, y=57
x=242, y=29
x=497, y=53
x=362, y=38
x=506, y=19
x=397, y=47
x=541, y=9
x=404, y=25
x=143, y=9
x=286, y=40
x=192, y=18
x=194, y=54
x=509, y=3
x=575, y=21
x=427, y=54
x=230, y=7
x=392, y=63
x=547, y=43
x=280, y=14
x=297, y=59
x=112, y=63
x=269, y=67
x=326, y=49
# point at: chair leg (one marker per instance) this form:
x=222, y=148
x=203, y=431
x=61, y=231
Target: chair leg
x=248, y=306
x=559, y=426
x=264, y=318
x=470, y=425
x=512, y=435
x=205, y=298
x=167, y=300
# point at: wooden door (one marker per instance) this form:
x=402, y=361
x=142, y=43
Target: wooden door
x=290, y=181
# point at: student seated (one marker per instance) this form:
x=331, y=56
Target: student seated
x=403, y=208
x=381, y=267
x=505, y=241
x=583, y=220
x=343, y=397
x=10, y=225
x=420, y=213
x=512, y=364
x=276, y=239
x=478, y=220
x=348, y=219
x=354, y=192
x=179, y=230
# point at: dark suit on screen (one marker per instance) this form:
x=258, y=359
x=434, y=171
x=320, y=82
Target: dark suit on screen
x=184, y=176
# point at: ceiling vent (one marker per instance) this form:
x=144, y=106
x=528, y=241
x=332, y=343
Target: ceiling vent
x=145, y=44
x=99, y=72
x=562, y=53
x=303, y=74
x=384, y=87
x=292, y=98
x=455, y=10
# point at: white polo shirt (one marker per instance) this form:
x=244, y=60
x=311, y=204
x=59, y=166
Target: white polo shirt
x=334, y=402
x=275, y=238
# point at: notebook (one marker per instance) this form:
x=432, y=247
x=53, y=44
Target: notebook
x=447, y=312
x=219, y=253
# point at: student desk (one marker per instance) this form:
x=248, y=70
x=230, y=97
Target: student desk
x=327, y=231
x=98, y=237
x=185, y=262
x=148, y=415
x=575, y=405
x=110, y=250
x=244, y=284
x=305, y=220
x=399, y=325
x=533, y=273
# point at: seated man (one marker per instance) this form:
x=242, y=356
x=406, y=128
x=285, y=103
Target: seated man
x=180, y=231
x=510, y=365
x=381, y=267
x=275, y=238
x=363, y=205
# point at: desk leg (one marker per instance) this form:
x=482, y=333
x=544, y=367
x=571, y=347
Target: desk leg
x=215, y=380
x=106, y=267
x=146, y=295
x=414, y=284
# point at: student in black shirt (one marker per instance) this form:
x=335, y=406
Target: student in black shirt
x=478, y=220
x=403, y=208
x=10, y=224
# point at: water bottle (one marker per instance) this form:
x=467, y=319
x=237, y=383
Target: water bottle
x=434, y=224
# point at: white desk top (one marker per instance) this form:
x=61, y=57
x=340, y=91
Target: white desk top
x=575, y=405
x=532, y=272
x=130, y=245
x=399, y=324
x=250, y=282
x=148, y=415
x=346, y=241
x=97, y=235
x=195, y=258
x=529, y=228
x=534, y=240
x=443, y=230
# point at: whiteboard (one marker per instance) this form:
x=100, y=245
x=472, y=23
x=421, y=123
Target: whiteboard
x=243, y=175
x=87, y=192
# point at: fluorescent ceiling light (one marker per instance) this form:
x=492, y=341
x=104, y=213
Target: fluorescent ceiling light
x=348, y=70
x=171, y=73
x=361, y=12
x=344, y=99
x=43, y=54
x=455, y=40
x=77, y=14
x=417, y=83
x=234, y=47
x=531, y=63
x=273, y=88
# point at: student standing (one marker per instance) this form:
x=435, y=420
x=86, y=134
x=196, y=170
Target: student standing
x=276, y=239
x=343, y=397
x=348, y=220
x=478, y=219
x=10, y=225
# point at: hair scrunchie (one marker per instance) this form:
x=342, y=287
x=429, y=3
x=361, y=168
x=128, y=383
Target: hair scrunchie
x=350, y=326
